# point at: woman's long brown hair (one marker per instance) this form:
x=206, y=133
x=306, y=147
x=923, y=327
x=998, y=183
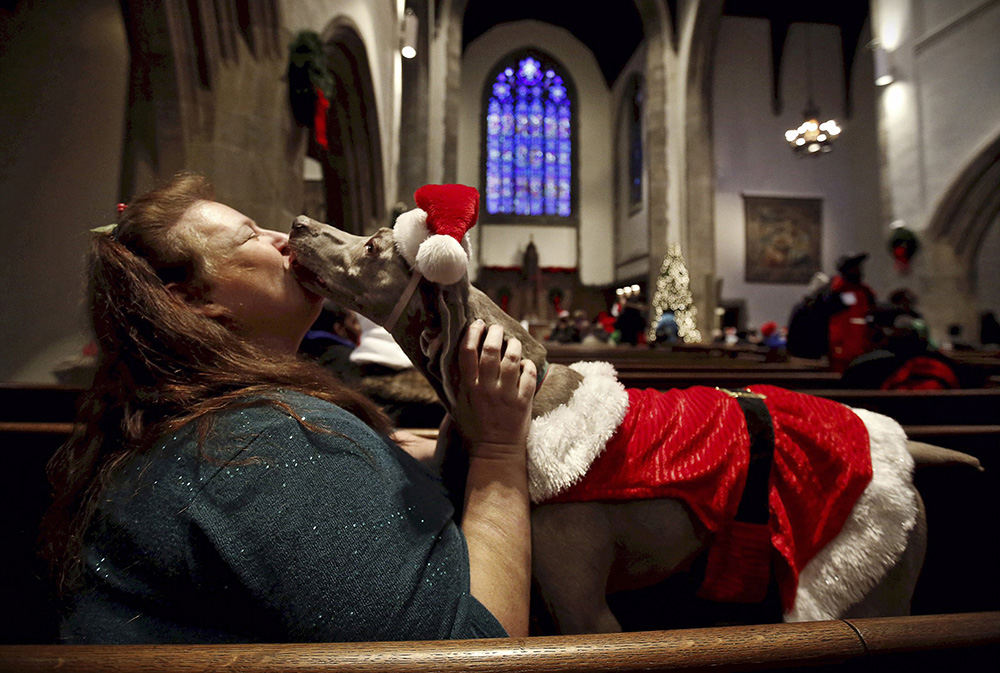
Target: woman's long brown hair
x=161, y=365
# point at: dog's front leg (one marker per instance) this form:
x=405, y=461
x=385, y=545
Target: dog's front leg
x=573, y=549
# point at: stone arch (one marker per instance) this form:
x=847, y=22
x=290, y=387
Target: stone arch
x=352, y=164
x=969, y=206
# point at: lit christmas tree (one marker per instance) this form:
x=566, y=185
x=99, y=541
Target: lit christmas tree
x=673, y=293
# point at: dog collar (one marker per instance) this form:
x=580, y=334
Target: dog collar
x=404, y=299
x=541, y=374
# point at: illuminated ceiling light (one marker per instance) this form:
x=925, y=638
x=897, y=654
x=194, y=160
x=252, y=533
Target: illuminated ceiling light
x=812, y=137
x=408, y=37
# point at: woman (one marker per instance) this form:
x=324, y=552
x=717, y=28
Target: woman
x=221, y=489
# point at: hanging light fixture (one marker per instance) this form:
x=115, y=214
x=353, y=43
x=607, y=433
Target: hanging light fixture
x=408, y=34
x=812, y=137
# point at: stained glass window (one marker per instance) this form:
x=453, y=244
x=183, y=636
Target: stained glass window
x=528, y=144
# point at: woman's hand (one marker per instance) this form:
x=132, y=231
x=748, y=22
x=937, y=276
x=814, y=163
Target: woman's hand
x=493, y=405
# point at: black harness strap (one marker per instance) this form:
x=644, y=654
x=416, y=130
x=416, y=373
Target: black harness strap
x=739, y=558
x=754, y=501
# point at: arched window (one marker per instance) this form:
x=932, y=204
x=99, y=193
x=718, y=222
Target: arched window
x=635, y=144
x=529, y=141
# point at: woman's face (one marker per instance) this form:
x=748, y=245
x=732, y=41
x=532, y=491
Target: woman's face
x=249, y=277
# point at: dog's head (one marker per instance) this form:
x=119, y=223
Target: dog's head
x=363, y=273
x=378, y=275
x=369, y=275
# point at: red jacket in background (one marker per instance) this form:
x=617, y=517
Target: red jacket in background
x=850, y=334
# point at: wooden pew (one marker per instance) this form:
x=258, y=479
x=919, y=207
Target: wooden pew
x=38, y=403
x=972, y=406
x=679, y=356
x=973, y=426
x=24, y=496
x=960, y=642
x=663, y=379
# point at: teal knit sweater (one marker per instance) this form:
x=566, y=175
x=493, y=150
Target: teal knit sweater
x=275, y=533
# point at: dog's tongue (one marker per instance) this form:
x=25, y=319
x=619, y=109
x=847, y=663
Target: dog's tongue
x=451, y=209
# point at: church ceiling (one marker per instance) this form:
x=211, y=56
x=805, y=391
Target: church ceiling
x=613, y=36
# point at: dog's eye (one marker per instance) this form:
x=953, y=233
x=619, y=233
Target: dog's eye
x=370, y=247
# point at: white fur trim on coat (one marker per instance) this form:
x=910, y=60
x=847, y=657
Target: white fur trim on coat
x=873, y=537
x=564, y=442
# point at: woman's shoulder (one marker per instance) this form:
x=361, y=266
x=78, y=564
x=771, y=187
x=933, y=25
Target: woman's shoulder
x=291, y=408
x=278, y=422
x=292, y=417
x=263, y=441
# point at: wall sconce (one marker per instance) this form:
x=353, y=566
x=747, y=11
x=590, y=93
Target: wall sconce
x=408, y=39
x=883, y=69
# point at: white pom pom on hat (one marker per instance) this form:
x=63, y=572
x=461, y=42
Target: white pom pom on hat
x=410, y=230
x=442, y=259
x=432, y=237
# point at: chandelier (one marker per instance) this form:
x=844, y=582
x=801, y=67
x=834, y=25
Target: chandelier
x=812, y=137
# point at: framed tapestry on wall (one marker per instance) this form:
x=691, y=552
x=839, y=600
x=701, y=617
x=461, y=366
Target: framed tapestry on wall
x=783, y=238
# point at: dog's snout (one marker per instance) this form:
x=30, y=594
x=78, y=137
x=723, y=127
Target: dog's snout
x=301, y=224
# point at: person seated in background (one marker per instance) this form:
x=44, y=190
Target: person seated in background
x=730, y=336
x=222, y=488
x=386, y=376
x=564, y=332
x=331, y=340
x=989, y=329
x=631, y=323
x=772, y=336
x=955, y=340
x=851, y=304
x=667, y=331
x=904, y=302
x=904, y=359
x=582, y=324
x=809, y=322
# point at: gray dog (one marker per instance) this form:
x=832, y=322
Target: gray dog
x=584, y=549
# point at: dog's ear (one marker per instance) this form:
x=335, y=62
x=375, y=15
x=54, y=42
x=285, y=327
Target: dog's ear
x=195, y=298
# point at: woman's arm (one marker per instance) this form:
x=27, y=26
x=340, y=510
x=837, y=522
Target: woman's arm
x=493, y=412
x=423, y=449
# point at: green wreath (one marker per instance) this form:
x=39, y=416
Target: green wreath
x=308, y=72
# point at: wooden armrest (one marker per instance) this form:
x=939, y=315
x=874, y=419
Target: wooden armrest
x=737, y=648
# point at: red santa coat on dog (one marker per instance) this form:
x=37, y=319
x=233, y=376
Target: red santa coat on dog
x=837, y=473
x=837, y=519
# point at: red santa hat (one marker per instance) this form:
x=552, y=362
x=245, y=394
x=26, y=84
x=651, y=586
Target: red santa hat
x=431, y=237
